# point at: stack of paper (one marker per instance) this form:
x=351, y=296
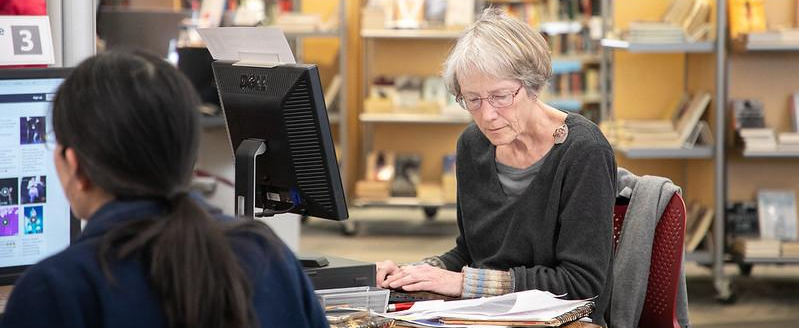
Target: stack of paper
x=526, y=308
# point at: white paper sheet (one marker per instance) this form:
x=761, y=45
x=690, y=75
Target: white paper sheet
x=252, y=45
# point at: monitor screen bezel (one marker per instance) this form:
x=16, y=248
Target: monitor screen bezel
x=8, y=275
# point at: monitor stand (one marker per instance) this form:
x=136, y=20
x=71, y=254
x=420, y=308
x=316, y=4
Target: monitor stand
x=324, y=271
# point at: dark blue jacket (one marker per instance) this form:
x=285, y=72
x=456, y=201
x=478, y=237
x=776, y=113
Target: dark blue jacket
x=69, y=289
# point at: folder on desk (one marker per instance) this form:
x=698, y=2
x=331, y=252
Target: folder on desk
x=532, y=308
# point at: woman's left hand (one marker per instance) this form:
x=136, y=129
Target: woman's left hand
x=414, y=278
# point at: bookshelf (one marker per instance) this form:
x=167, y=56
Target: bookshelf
x=419, y=53
x=639, y=77
x=765, y=72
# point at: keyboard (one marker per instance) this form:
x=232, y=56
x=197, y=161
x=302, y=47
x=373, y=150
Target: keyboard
x=398, y=296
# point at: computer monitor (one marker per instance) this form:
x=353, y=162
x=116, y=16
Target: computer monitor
x=279, y=130
x=35, y=218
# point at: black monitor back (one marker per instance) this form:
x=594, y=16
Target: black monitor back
x=284, y=105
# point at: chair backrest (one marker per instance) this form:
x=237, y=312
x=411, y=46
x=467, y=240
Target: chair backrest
x=659, y=309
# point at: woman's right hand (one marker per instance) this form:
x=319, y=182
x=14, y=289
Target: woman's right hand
x=385, y=269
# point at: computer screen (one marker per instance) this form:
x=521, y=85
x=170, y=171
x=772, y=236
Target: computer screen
x=284, y=107
x=35, y=219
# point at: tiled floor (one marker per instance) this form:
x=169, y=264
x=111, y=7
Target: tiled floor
x=769, y=298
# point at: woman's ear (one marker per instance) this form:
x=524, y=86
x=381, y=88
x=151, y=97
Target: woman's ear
x=73, y=165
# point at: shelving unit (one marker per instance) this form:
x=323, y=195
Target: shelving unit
x=768, y=73
x=672, y=68
x=384, y=53
x=297, y=40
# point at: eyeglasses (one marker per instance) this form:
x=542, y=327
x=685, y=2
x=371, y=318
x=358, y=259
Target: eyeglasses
x=501, y=100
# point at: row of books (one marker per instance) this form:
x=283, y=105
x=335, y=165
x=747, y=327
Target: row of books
x=584, y=82
x=748, y=120
x=390, y=174
x=766, y=140
x=683, y=127
x=535, y=13
x=411, y=94
x=684, y=21
x=579, y=43
x=766, y=248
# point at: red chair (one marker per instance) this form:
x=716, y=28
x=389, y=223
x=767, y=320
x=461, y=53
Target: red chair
x=659, y=309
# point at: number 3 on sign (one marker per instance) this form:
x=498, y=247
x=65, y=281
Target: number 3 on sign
x=26, y=40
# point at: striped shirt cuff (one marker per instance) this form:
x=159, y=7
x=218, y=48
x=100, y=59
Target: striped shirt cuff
x=485, y=282
x=433, y=261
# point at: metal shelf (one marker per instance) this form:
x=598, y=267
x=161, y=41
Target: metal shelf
x=412, y=118
x=572, y=103
x=743, y=46
x=409, y=34
x=770, y=260
x=698, y=152
x=771, y=154
x=701, y=257
x=312, y=34
x=695, y=47
x=403, y=202
x=583, y=58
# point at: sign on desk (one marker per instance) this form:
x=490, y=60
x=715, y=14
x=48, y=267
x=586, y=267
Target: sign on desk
x=25, y=40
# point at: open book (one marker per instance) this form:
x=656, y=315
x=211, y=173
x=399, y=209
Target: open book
x=531, y=308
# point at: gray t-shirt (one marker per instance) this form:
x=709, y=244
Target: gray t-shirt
x=514, y=180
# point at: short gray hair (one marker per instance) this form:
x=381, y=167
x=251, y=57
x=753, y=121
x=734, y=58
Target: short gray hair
x=499, y=46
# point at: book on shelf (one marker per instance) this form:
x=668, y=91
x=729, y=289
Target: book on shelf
x=332, y=93
x=406, y=176
x=698, y=226
x=793, y=107
x=757, y=247
x=449, y=188
x=758, y=139
x=747, y=113
x=776, y=211
x=790, y=250
x=741, y=220
x=776, y=38
x=746, y=16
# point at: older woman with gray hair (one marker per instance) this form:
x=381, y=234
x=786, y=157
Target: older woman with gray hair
x=536, y=185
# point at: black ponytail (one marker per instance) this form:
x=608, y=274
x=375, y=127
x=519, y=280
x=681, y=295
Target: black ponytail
x=133, y=123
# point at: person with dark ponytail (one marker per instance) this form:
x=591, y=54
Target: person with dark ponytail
x=151, y=255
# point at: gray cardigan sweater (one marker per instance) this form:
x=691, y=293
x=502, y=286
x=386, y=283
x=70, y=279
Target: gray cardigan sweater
x=557, y=236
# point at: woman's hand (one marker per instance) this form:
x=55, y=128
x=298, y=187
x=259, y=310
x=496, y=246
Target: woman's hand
x=385, y=269
x=426, y=278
